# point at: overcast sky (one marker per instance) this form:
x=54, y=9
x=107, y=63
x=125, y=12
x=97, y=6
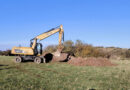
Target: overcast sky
x=97, y=22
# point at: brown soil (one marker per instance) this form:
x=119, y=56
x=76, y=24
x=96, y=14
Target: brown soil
x=50, y=57
x=90, y=62
x=64, y=57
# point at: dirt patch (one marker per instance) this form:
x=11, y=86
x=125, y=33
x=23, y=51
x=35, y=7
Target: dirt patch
x=50, y=57
x=90, y=62
x=63, y=57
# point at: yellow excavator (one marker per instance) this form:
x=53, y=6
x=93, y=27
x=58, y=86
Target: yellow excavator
x=34, y=52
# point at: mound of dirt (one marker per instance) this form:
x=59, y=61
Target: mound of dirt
x=62, y=57
x=90, y=62
x=77, y=61
x=50, y=57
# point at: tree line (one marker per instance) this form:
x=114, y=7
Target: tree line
x=5, y=53
x=81, y=49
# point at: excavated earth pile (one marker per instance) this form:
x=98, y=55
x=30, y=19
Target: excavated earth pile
x=64, y=57
x=61, y=58
x=90, y=62
x=50, y=57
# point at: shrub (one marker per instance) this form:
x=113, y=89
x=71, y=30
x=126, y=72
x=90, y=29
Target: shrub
x=80, y=49
x=50, y=49
x=6, y=53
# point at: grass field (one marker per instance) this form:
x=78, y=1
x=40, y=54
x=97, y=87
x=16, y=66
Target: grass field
x=62, y=76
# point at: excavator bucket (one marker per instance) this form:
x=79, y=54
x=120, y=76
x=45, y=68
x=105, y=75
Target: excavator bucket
x=58, y=51
x=59, y=56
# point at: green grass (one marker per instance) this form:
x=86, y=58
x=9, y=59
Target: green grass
x=62, y=76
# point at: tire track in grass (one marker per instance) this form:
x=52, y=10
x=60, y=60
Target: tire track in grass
x=47, y=69
x=37, y=75
x=28, y=72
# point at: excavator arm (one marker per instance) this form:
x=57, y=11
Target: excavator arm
x=49, y=33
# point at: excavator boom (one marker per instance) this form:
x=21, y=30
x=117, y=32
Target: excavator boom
x=49, y=33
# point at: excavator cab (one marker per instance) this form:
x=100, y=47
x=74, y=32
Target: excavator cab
x=37, y=49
